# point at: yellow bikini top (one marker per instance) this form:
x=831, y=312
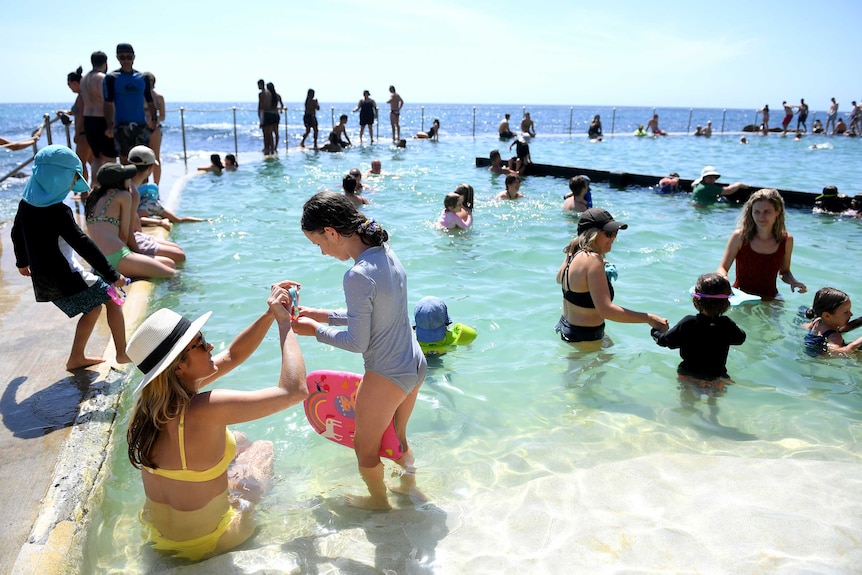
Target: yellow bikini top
x=191, y=475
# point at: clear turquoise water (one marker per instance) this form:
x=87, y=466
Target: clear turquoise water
x=518, y=404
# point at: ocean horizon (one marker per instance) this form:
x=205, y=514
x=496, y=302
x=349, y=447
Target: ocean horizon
x=194, y=130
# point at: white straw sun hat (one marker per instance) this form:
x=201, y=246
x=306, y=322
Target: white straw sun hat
x=159, y=340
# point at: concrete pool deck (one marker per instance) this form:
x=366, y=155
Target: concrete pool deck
x=56, y=424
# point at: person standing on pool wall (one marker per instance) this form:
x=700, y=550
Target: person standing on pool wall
x=378, y=327
x=586, y=279
x=395, y=103
x=201, y=480
x=367, y=109
x=309, y=118
x=761, y=247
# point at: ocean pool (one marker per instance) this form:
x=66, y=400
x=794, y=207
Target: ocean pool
x=518, y=408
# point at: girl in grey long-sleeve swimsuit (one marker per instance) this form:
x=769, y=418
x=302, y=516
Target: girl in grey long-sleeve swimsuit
x=378, y=327
x=377, y=320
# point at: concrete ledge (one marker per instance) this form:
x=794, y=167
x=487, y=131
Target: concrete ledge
x=56, y=542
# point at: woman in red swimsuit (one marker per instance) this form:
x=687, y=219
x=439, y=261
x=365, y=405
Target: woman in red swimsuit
x=761, y=247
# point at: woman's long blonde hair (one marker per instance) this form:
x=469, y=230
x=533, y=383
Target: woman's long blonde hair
x=585, y=242
x=161, y=401
x=746, y=220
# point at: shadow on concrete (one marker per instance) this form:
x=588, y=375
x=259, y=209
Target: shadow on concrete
x=49, y=409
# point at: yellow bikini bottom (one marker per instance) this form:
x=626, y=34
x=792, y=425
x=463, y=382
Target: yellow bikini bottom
x=192, y=549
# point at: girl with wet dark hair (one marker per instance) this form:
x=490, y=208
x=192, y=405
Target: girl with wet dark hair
x=831, y=314
x=378, y=327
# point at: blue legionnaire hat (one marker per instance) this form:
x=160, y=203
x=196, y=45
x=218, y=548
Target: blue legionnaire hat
x=123, y=48
x=432, y=317
x=111, y=174
x=54, y=168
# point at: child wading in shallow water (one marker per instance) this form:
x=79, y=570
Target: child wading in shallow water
x=831, y=313
x=704, y=339
x=378, y=327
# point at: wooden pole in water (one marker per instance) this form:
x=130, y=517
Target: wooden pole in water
x=688, y=129
x=183, y=127
x=613, y=122
x=723, y=115
x=235, y=145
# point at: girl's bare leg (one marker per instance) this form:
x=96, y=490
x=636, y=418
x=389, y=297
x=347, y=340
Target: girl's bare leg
x=377, y=400
x=77, y=357
x=117, y=323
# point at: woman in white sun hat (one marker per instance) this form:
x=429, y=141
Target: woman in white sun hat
x=200, y=485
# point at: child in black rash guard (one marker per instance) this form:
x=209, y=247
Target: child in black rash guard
x=704, y=339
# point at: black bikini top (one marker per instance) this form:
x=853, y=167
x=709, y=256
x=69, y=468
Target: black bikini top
x=581, y=298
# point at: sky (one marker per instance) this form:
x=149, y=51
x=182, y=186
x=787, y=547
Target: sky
x=730, y=54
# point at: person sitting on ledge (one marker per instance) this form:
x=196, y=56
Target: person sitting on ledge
x=201, y=481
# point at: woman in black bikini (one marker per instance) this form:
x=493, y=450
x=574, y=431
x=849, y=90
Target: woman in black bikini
x=587, y=291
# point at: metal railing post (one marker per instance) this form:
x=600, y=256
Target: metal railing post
x=723, y=114
x=332, y=113
x=474, y=121
x=183, y=127
x=571, y=112
x=286, y=144
x=68, y=135
x=613, y=122
x=422, y=129
x=47, y=120
x=235, y=144
x=688, y=129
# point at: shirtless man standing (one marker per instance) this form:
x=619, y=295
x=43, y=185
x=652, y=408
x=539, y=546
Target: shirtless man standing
x=527, y=126
x=833, y=114
x=396, y=103
x=503, y=129
x=103, y=147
